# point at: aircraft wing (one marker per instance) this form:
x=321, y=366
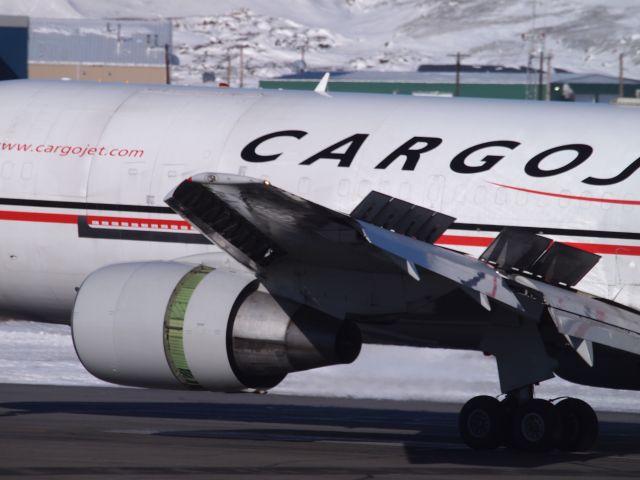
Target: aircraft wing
x=258, y=223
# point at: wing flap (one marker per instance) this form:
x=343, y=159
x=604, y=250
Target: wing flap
x=402, y=217
x=515, y=249
x=554, y=262
x=564, y=264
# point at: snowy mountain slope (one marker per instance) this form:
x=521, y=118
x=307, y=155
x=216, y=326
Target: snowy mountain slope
x=582, y=35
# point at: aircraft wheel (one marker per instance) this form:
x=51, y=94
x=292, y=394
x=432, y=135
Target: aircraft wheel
x=536, y=426
x=509, y=406
x=579, y=425
x=482, y=423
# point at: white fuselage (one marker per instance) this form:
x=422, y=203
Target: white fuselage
x=84, y=169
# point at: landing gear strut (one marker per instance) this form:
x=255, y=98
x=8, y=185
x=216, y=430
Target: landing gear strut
x=528, y=423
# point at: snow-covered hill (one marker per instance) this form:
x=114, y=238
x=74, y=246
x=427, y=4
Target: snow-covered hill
x=582, y=35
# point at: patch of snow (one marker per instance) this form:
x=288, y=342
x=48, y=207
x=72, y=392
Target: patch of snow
x=37, y=353
x=40, y=353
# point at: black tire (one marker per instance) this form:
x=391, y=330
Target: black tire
x=482, y=423
x=509, y=406
x=579, y=425
x=536, y=426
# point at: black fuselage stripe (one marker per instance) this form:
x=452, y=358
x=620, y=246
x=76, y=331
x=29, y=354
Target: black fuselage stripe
x=547, y=231
x=84, y=205
x=472, y=227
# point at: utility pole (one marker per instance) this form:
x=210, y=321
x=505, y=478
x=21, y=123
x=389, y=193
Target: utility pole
x=549, y=73
x=459, y=57
x=621, y=76
x=541, y=76
x=241, y=67
x=167, y=63
x=457, y=90
x=536, y=43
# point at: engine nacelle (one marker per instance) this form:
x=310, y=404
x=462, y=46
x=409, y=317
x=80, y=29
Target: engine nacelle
x=173, y=325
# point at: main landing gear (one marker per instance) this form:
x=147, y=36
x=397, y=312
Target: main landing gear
x=527, y=423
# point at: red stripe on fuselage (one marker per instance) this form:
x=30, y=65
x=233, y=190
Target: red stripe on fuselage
x=570, y=197
x=38, y=217
x=445, y=240
x=96, y=220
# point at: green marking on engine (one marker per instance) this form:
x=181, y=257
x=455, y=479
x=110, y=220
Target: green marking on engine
x=174, y=322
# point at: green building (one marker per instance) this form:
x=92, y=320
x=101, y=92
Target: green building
x=483, y=82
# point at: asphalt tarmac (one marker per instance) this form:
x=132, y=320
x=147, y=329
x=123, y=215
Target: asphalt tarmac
x=86, y=432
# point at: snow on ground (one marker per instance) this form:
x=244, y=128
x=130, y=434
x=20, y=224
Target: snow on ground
x=38, y=353
x=399, y=35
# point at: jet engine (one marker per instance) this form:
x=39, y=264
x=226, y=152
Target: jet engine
x=173, y=325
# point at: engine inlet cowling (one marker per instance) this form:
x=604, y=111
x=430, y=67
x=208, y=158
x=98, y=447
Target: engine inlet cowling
x=170, y=325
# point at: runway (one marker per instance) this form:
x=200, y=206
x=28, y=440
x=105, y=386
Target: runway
x=92, y=432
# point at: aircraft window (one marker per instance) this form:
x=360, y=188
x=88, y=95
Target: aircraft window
x=521, y=198
x=343, y=188
x=172, y=173
x=364, y=188
x=606, y=205
x=433, y=189
x=501, y=196
x=479, y=195
x=405, y=191
x=564, y=202
x=586, y=205
x=303, y=185
x=27, y=170
x=7, y=170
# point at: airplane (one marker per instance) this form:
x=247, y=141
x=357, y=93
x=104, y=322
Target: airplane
x=219, y=239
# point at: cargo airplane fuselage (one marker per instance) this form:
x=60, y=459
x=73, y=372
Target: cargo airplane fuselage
x=84, y=169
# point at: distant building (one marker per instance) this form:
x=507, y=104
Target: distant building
x=14, y=41
x=466, y=68
x=103, y=50
x=488, y=82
